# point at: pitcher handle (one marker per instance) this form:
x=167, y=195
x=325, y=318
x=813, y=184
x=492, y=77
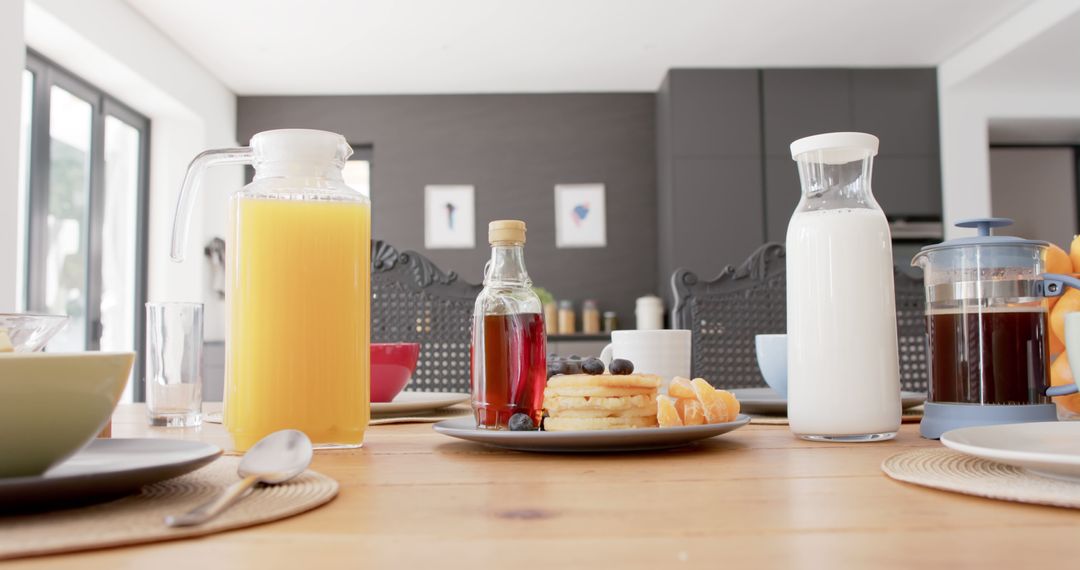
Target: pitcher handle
x=192, y=184
x=1054, y=284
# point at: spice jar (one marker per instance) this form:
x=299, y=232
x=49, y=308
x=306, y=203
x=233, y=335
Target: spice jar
x=611, y=322
x=590, y=317
x=551, y=318
x=566, y=317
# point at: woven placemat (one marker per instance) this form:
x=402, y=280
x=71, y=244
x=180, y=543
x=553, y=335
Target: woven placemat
x=950, y=470
x=140, y=518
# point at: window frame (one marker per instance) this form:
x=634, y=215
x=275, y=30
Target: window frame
x=47, y=74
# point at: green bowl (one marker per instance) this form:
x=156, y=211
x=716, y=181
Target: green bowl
x=51, y=405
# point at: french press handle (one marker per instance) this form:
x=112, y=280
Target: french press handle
x=1053, y=285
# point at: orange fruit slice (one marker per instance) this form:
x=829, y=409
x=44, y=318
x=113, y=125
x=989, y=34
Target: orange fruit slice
x=691, y=411
x=680, y=388
x=714, y=405
x=731, y=404
x=1061, y=374
x=1056, y=346
x=666, y=414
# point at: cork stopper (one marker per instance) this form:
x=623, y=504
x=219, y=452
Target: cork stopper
x=506, y=232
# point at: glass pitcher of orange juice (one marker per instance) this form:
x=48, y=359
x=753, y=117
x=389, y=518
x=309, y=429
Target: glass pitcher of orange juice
x=298, y=275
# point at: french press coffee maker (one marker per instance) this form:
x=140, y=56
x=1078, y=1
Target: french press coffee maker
x=986, y=326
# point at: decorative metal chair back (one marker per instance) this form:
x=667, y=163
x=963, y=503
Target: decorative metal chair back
x=412, y=300
x=725, y=314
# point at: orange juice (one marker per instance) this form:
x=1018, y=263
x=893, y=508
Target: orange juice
x=298, y=277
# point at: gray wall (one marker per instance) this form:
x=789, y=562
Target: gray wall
x=514, y=149
x=1036, y=187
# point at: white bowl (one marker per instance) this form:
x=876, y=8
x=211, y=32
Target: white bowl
x=772, y=360
x=51, y=405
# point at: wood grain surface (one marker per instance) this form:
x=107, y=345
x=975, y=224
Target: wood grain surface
x=755, y=498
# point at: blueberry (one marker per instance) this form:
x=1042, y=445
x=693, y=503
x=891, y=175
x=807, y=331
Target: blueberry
x=553, y=368
x=592, y=366
x=573, y=357
x=622, y=366
x=570, y=367
x=521, y=422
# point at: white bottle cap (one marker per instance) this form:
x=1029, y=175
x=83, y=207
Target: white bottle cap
x=836, y=148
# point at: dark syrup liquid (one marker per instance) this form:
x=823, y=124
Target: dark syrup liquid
x=509, y=369
x=988, y=357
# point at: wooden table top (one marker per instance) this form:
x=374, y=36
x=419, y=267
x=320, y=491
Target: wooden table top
x=756, y=497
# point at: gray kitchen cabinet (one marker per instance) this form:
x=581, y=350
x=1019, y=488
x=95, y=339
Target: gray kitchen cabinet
x=801, y=102
x=900, y=106
x=908, y=186
x=718, y=211
x=714, y=112
x=709, y=198
x=726, y=180
x=782, y=192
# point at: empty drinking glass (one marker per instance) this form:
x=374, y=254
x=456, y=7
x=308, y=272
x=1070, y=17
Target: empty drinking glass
x=174, y=348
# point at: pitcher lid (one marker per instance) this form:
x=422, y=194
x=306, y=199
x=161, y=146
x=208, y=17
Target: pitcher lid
x=986, y=237
x=300, y=145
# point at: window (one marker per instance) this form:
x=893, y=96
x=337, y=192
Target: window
x=83, y=211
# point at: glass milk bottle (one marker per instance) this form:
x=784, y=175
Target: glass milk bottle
x=298, y=274
x=843, y=370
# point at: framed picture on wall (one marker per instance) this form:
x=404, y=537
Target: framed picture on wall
x=580, y=216
x=449, y=217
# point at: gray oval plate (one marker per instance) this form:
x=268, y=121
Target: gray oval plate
x=413, y=402
x=766, y=401
x=639, y=439
x=106, y=469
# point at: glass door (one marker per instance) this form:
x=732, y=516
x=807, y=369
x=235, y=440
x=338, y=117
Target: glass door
x=85, y=201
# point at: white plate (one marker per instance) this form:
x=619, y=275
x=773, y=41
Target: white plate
x=637, y=439
x=106, y=469
x=766, y=401
x=413, y=402
x=1050, y=449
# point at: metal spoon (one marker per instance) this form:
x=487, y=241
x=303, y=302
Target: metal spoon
x=275, y=459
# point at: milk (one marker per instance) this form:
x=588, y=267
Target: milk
x=843, y=370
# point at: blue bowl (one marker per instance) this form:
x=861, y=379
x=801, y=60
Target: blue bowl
x=772, y=360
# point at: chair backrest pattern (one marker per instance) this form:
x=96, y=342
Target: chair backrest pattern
x=725, y=314
x=415, y=301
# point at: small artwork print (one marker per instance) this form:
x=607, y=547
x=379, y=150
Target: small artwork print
x=580, y=216
x=449, y=217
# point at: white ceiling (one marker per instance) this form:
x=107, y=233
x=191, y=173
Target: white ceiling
x=1048, y=62
x=259, y=47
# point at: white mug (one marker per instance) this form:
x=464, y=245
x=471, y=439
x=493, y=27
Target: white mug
x=665, y=353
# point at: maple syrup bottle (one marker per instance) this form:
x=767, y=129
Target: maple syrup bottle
x=509, y=345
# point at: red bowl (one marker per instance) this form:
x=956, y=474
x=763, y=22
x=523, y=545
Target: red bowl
x=392, y=363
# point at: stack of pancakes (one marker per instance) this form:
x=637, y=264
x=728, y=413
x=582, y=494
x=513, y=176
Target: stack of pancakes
x=606, y=401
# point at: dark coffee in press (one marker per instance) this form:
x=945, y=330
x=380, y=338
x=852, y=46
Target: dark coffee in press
x=992, y=356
